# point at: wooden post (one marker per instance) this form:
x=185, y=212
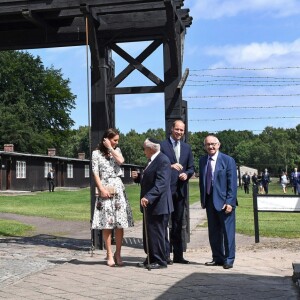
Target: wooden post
x=255, y=211
x=101, y=111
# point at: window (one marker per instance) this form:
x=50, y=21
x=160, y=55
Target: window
x=21, y=169
x=48, y=167
x=86, y=171
x=69, y=171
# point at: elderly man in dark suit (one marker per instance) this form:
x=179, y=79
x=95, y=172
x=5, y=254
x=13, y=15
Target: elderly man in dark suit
x=156, y=203
x=182, y=164
x=218, y=189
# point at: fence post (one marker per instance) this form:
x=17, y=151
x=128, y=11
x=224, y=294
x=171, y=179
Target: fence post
x=255, y=211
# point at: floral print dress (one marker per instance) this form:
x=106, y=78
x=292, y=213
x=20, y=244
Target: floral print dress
x=114, y=212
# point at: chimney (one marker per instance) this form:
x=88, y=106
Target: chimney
x=9, y=147
x=81, y=155
x=51, y=151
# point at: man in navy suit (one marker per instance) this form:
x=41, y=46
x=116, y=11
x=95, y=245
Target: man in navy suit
x=156, y=202
x=295, y=180
x=218, y=190
x=182, y=164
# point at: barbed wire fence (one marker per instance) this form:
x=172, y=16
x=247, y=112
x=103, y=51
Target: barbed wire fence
x=221, y=87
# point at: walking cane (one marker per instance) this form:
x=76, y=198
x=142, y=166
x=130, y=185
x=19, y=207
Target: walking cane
x=146, y=236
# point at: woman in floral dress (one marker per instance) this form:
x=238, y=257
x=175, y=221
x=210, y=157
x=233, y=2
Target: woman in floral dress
x=112, y=209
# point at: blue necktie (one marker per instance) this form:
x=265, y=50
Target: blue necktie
x=208, y=176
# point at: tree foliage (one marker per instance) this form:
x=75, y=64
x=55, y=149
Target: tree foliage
x=275, y=148
x=77, y=142
x=35, y=103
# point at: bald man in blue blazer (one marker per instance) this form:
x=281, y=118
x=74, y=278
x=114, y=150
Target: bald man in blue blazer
x=218, y=190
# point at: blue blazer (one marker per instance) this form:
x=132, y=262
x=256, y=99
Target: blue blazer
x=155, y=186
x=186, y=160
x=225, y=181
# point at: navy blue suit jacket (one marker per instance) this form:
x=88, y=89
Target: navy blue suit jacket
x=155, y=186
x=187, y=162
x=225, y=181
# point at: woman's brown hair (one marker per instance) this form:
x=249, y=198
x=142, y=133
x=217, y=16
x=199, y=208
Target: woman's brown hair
x=109, y=134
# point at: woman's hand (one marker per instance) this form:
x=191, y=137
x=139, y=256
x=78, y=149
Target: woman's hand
x=105, y=194
x=107, y=143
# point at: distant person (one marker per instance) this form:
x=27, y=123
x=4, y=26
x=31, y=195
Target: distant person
x=51, y=178
x=218, y=191
x=259, y=182
x=298, y=183
x=283, y=181
x=295, y=180
x=254, y=180
x=112, y=209
x=246, y=182
x=182, y=164
x=265, y=180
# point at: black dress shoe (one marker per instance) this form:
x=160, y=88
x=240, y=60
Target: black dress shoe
x=213, y=263
x=169, y=261
x=227, y=266
x=181, y=261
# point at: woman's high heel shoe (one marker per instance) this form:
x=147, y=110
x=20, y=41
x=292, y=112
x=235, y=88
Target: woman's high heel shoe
x=119, y=261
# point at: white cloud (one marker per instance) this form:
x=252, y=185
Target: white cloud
x=268, y=54
x=215, y=9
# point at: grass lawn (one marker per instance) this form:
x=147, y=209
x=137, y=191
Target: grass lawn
x=13, y=228
x=75, y=205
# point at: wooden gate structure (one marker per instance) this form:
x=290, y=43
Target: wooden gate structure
x=32, y=24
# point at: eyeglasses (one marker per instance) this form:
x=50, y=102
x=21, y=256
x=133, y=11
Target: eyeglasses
x=211, y=144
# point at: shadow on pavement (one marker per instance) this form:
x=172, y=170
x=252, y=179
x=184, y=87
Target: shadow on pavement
x=50, y=241
x=231, y=286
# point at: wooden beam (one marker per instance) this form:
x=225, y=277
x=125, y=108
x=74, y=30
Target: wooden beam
x=130, y=68
x=35, y=19
x=135, y=90
x=176, y=17
x=183, y=79
x=137, y=65
x=17, y=6
x=86, y=10
x=172, y=38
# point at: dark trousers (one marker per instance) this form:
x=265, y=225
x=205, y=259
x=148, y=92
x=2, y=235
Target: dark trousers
x=51, y=185
x=266, y=187
x=176, y=230
x=156, y=231
x=246, y=188
x=221, y=233
x=295, y=188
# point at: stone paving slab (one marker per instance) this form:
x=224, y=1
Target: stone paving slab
x=63, y=268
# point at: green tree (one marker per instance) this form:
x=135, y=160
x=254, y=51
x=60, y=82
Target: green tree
x=35, y=103
x=131, y=146
x=78, y=142
x=229, y=139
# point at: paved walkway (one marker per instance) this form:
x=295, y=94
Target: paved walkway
x=48, y=267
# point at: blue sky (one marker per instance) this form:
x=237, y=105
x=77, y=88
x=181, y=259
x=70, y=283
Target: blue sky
x=244, y=62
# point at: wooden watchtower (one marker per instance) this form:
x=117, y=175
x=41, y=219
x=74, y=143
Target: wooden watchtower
x=26, y=24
